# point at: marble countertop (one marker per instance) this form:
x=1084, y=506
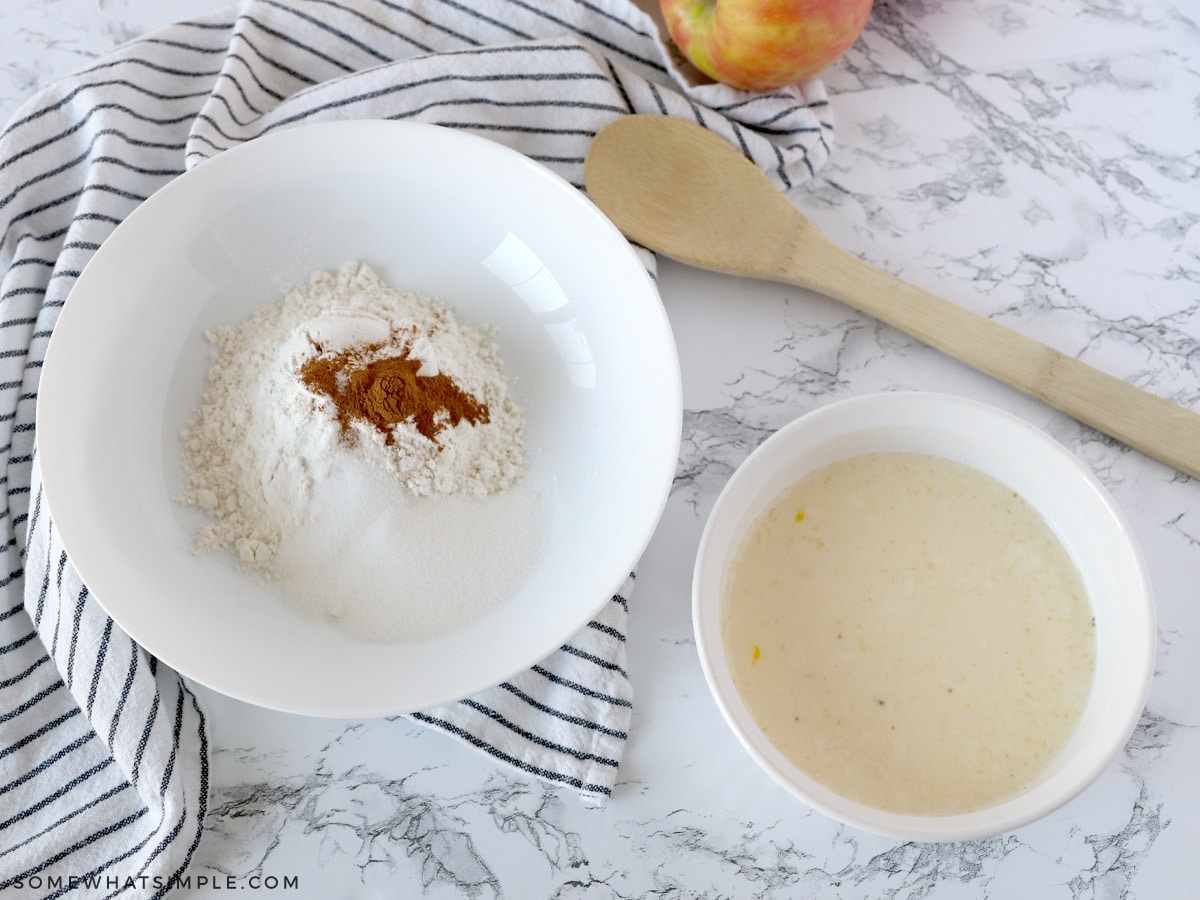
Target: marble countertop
x=1036, y=161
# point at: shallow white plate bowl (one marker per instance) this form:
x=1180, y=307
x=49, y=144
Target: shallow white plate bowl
x=1070, y=499
x=504, y=242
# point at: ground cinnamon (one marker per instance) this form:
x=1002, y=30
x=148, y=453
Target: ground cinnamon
x=387, y=390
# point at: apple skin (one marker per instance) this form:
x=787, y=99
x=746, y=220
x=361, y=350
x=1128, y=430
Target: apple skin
x=761, y=45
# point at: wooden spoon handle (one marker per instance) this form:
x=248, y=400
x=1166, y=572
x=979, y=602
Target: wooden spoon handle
x=1160, y=429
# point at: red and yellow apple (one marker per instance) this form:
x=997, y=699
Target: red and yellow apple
x=760, y=45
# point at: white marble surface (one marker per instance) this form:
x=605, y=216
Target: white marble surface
x=1034, y=160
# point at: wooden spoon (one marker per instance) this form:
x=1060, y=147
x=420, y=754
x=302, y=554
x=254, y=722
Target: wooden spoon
x=683, y=191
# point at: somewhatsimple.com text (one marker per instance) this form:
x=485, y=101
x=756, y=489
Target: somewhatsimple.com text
x=182, y=882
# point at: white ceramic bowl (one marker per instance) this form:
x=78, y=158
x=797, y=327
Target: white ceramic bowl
x=582, y=334
x=1068, y=496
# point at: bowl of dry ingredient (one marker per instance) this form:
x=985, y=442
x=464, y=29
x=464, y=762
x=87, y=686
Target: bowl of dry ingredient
x=377, y=415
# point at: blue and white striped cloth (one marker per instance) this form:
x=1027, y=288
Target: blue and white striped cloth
x=104, y=752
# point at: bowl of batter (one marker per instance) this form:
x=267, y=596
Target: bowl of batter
x=923, y=616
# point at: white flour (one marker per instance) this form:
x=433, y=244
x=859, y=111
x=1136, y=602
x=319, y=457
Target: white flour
x=365, y=530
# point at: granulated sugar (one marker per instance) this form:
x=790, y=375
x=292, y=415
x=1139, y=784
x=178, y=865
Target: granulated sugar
x=390, y=532
x=390, y=566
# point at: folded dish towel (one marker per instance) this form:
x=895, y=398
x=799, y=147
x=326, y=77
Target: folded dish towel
x=103, y=751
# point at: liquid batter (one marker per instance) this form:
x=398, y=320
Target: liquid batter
x=910, y=632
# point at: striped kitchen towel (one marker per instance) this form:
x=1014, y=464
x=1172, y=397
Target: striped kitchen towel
x=104, y=751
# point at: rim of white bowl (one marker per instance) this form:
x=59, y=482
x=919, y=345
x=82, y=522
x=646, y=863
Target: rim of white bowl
x=1109, y=724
